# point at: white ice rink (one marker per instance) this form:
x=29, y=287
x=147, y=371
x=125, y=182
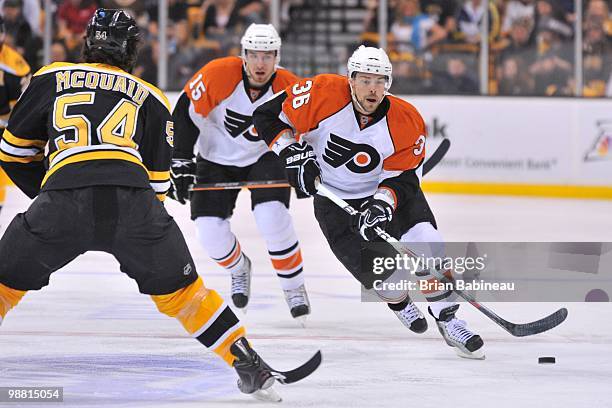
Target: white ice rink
x=92, y=333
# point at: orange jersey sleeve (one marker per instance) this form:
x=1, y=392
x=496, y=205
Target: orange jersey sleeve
x=213, y=83
x=283, y=79
x=312, y=100
x=408, y=132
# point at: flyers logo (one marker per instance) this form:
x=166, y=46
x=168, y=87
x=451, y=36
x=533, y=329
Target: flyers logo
x=238, y=124
x=359, y=158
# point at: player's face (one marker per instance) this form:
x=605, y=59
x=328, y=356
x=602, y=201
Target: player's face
x=369, y=90
x=260, y=66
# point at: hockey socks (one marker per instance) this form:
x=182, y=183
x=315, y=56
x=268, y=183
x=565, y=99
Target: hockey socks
x=205, y=316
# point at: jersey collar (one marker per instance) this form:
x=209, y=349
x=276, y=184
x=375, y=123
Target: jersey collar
x=376, y=116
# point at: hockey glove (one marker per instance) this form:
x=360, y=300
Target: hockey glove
x=373, y=213
x=302, y=167
x=182, y=177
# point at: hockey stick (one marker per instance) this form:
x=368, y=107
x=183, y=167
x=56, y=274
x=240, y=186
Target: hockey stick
x=437, y=156
x=429, y=164
x=515, y=329
x=240, y=184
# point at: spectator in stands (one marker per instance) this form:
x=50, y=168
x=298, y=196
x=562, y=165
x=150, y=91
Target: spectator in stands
x=184, y=58
x=222, y=16
x=73, y=16
x=518, y=46
x=414, y=31
x=19, y=34
x=31, y=11
x=177, y=13
x=549, y=16
x=470, y=17
x=599, y=10
x=517, y=10
x=513, y=79
x=220, y=21
x=443, y=13
x=59, y=52
x=370, y=22
x=597, y=56
x=146, y=64
x=455, y=80
x=552, y=69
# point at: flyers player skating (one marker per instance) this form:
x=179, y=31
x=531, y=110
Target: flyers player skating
x=366, y=146
x=213, y=114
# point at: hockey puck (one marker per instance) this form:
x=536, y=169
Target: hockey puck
x=546, y=360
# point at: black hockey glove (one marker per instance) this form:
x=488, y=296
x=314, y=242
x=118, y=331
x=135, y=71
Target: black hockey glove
x=373, y=213
x=302, y=167
x=182, y=177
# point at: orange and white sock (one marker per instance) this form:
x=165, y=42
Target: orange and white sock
x=276, y=227
x=219, y=241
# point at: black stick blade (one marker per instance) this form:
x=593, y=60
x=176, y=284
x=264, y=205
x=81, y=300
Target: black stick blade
x=301, y=372
x=539, y=326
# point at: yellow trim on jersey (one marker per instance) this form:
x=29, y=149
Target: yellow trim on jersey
x=159, y=175
x=533, y=190
x=161, y=196
x=86, y=156
x=18, y=141
x=14, y=159
x=58, y=66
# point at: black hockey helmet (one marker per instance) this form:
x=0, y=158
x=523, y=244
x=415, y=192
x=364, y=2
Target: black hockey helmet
x=112, y=37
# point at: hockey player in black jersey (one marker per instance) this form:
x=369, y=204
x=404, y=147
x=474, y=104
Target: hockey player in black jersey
x=92, y=145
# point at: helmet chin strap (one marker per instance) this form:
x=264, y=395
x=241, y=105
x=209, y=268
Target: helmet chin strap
x=360, y=108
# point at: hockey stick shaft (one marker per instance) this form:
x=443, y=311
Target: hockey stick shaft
x=429, y=164
x=437, y=156
x=241, y=184
x=518, y=330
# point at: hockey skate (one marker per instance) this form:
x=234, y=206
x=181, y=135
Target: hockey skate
x=255, y=376
x=241, y=284
x=299, y=305
x=412, y=318
x=455, y=333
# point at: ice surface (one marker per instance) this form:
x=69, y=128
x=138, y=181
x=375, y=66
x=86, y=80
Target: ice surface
x=91, y=331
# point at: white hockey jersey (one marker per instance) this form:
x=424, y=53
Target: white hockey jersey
x=220, y=107
x=355, y=156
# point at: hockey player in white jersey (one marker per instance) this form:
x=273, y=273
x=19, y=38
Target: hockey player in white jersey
x=213, y=114
x=367, y=146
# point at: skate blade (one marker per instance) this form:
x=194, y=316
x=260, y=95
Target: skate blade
x=476, y=355
x=268, y=395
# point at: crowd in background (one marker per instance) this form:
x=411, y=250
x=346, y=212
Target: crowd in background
x=434, y=44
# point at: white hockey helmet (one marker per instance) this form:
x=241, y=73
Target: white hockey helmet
x=372, y=61
x=261, y=37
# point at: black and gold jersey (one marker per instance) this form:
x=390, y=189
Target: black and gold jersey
x=80, y=125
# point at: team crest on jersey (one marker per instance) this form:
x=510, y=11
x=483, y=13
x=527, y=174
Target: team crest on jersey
x=358, y=158
x=238, y=124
